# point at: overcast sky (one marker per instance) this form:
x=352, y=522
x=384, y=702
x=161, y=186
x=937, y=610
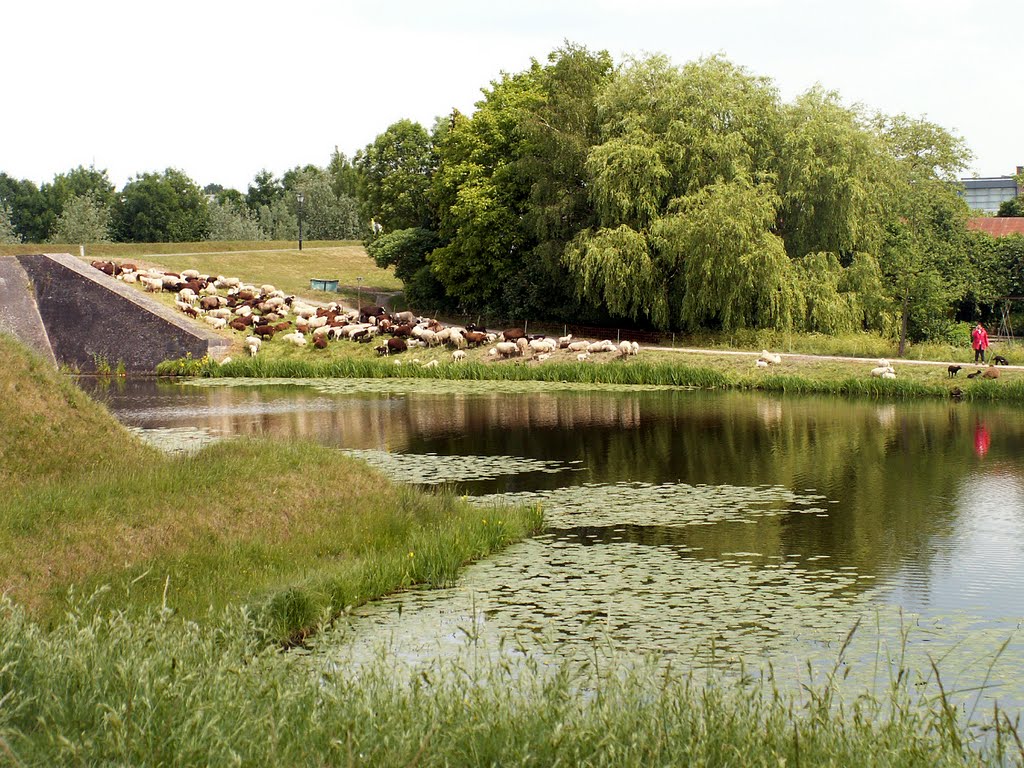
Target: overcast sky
x=223, y=88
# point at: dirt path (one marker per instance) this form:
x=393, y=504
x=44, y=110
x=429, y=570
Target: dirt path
x=839, y=358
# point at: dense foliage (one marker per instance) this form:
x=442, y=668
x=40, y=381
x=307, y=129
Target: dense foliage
x=686, y=197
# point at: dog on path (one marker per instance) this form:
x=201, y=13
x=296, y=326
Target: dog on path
x=1000, y=360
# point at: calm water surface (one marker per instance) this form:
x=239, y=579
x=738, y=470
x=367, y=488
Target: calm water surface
x=701, y=527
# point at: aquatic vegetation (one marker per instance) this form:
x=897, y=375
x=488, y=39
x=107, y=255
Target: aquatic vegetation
x=432, y=469
x=665, y=504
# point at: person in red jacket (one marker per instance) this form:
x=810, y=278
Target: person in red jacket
x=979, y=340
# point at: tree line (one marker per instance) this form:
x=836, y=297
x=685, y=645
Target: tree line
x=683, y=197
x=82, y=206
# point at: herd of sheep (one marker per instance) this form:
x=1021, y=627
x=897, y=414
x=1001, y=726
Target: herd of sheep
x=264, y=312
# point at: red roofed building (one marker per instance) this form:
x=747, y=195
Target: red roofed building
x=999, y=226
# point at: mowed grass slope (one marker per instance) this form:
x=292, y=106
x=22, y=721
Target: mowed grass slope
x=259, y=262
x=296, y=530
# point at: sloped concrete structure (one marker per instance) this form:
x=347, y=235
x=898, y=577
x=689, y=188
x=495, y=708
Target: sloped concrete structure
x=19, y=315
x=85, y=316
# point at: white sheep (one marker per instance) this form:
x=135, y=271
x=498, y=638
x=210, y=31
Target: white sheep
x=458, y=356
x=563, y=341
x=583, y=356
x=190, y=274
x=295, y=338
x=578, y=346
x=506, y=349
x=761, y=363
x=601, y=346
x=431, y=364
x=540, y=346
x=456, y=339
x=881, y=371
x=252, y=343
x=216, y=322
x=770, y=357
x=889, y=374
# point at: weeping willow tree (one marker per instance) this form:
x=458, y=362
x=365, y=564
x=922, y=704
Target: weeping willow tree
x=735, y=271
x=685, y=238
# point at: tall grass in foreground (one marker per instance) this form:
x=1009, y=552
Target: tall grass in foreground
x=155, y=691
x=661, y=373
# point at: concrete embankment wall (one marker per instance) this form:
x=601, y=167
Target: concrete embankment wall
x=85, y=316
x=19, y=315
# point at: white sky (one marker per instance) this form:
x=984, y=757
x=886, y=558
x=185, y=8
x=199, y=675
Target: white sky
x=223, y=88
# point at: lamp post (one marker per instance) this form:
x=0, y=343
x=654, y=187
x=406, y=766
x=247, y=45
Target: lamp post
x=359, y=295
x=300, y=198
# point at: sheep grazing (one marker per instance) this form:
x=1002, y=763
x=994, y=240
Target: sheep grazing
x=295, y=338
x=583, y=356
x=512, y=334
x=320, y=342
x=761, y=363
x=458, y=356
x=991, y=372
x=396, y=345
x=578, y=346
x=252, y=344
x=506, y=349
x=217, y=322
x=627, y=348
x=563, y=341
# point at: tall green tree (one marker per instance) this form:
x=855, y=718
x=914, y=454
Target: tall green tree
x=345, y=176
x=161, y=207
x=85, y=218
x=326, y=216
x=482, y=196
x=923, y=256
x=7, y=233
x=27, y=206
x=231, y=220
x=396, y=171
x=265, y=190
x=833, y=176
x=684, y=231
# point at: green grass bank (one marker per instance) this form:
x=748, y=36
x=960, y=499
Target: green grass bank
x=706, y=370
x=296, y=532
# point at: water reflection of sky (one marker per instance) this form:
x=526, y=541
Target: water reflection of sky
x=683, y=524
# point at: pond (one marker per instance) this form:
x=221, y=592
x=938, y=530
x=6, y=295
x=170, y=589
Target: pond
x=704, y=528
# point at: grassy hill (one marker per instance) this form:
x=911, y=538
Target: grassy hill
x=297, y=530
